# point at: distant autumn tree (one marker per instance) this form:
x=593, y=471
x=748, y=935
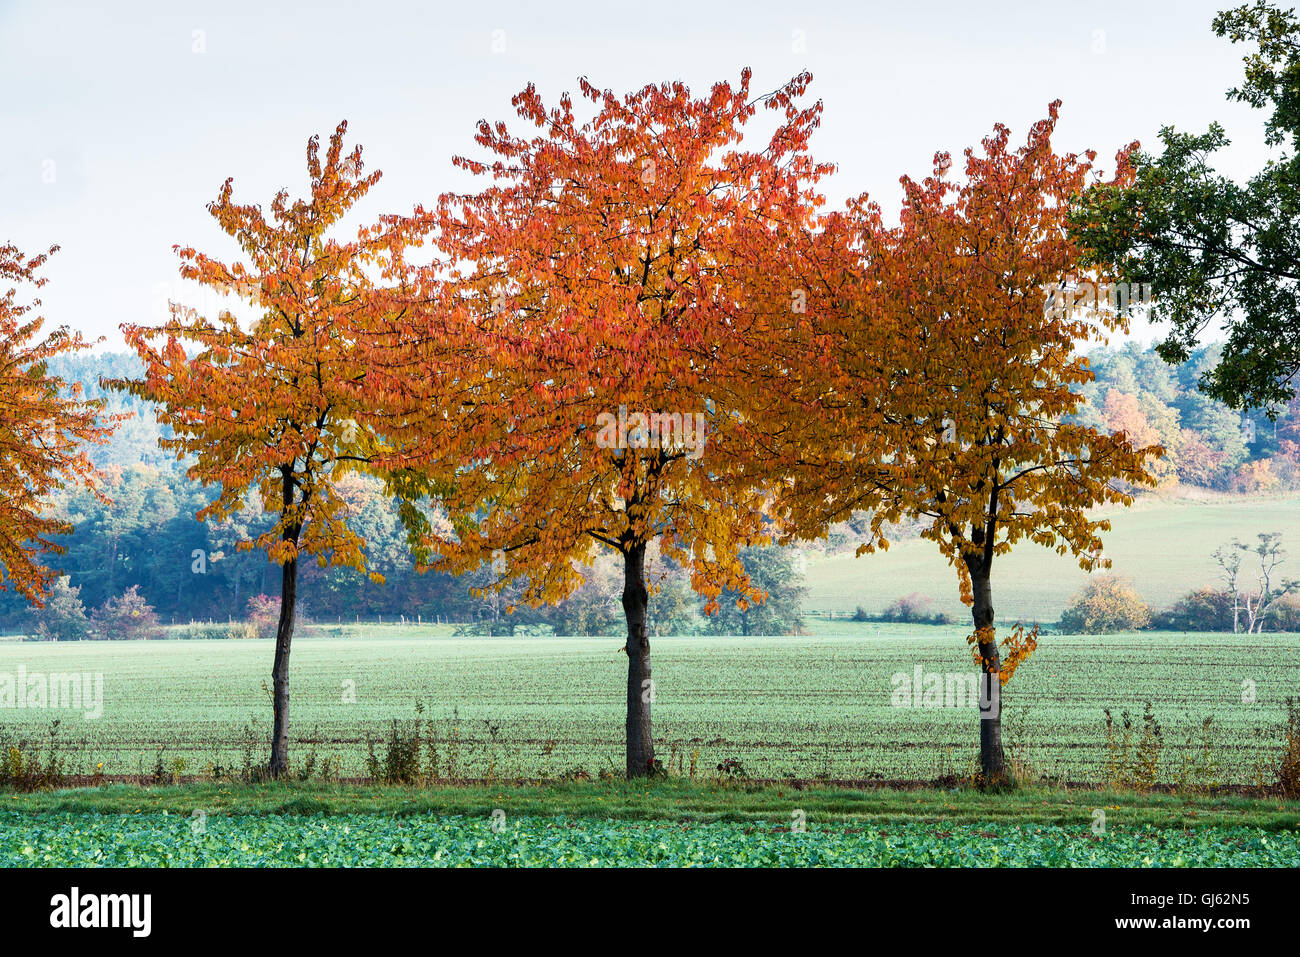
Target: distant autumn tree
x=126, y=617
x=952, y=379
x=604, y=275
x=276, y=408
x=1107, y=604
x=45, y=429
x=1123, y=413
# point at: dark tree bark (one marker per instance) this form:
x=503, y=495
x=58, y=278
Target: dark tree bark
x=992, y=758
x=640, y=689
x=280, y=669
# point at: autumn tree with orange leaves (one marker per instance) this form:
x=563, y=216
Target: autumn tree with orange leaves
x=277, y=407
x=951, y=376
x=602, y=274
x=45, y=427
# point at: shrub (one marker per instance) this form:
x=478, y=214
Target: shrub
x=263, y=613
x=126, y=617
x=64, y=617
x=22, y=768
x=213, y=631
x=732, y=768
x=406, y=743
x=911, y=607
x=1205, y=609
x=914, y=609
x=1108, y=604
x=1199, y=768
x=1127, y=767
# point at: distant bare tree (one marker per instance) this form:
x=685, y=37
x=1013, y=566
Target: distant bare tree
x=1260, y=600
x=1229, y=558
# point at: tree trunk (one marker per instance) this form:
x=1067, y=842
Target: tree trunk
x=112, y=570
x=280, y=670
x=992, y=758
x=640, y=689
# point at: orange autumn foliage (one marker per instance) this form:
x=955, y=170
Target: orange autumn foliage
x=945, y=382
x=44, y=428
x=279, y=407
x=949, y=352
x=603, y=269
x=602, y=277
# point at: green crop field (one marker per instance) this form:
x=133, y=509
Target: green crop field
x=646, y=822
x=428, y=840
x=818, y=707
x=1165, y=545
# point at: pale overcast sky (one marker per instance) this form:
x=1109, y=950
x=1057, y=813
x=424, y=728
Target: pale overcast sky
x=119, y=122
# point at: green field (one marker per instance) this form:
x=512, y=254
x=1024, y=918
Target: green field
x=70, y=840
x=1163, y=544
x=816, y=707
x=656, y=823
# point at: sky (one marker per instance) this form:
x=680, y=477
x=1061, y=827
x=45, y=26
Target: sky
x=120, y=122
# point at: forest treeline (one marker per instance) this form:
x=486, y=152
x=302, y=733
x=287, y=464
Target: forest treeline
x=148, y=539
x=192, y=571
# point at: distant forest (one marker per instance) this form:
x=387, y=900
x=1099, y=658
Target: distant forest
x=191, y=571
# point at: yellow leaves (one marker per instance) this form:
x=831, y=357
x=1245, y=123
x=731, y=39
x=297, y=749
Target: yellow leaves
x=1016, y=649
x=963, y=578
x=981, y=636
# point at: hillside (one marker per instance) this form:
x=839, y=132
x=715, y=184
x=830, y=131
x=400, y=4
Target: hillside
x=1163, y=543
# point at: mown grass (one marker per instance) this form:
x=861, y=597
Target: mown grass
x=675, y=801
